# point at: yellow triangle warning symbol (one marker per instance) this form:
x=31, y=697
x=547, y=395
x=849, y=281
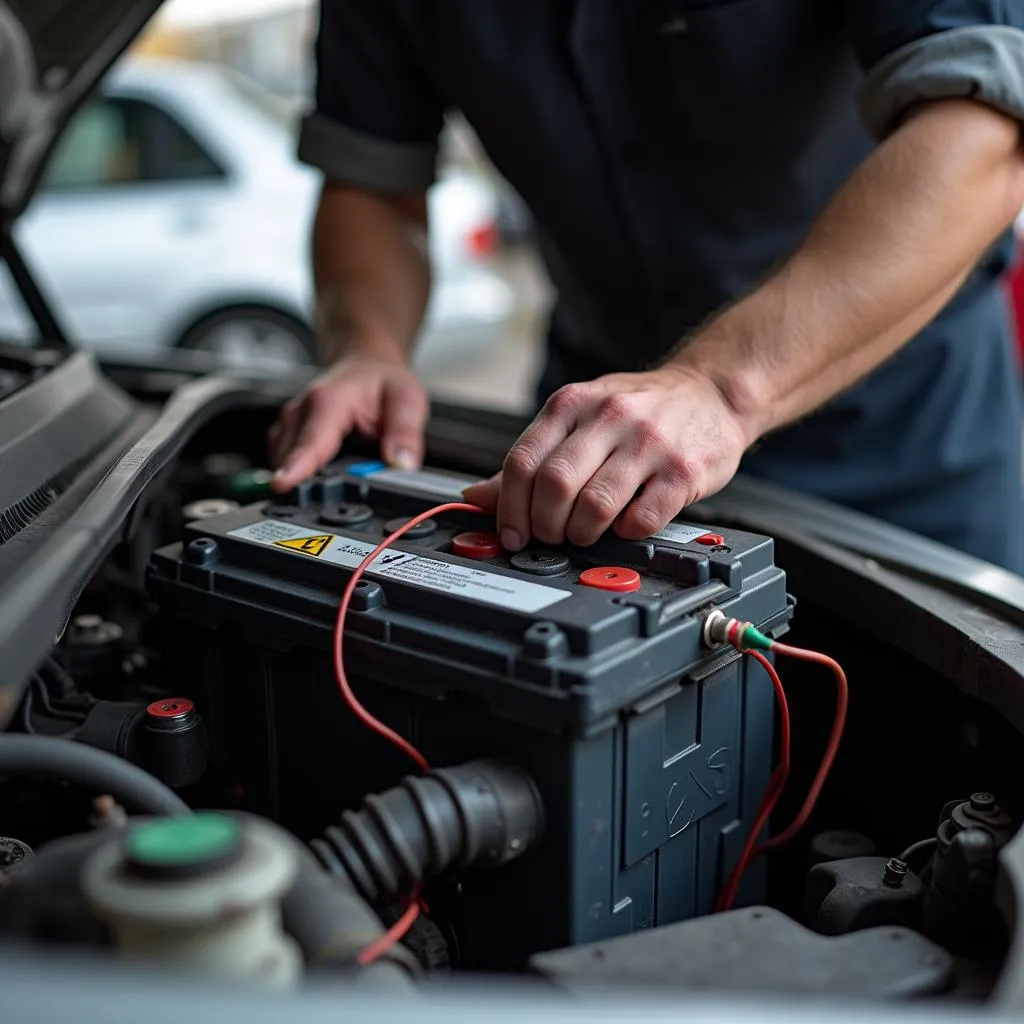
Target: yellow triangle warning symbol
x=314, y=546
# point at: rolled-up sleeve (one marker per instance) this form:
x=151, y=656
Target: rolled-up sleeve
x=376, y=118
x=918, y=50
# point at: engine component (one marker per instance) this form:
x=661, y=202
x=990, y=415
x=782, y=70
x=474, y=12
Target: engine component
x=651, y=752
x=917, y=855
x=14, y=854
x=425, y=940
x=979, y=812
x=202, y=892
x=839, y=844
x=959, y=910
x=167, y=737
x=862, y=892
x=757, y=950
x=170, y=742
x=332, y=924
x=477, y=814
x=207, y=508
x=43, y=903
x=94, y=649
x=326, y=918
x=65, y=761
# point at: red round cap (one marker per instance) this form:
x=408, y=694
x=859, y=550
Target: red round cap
x=712, y=540
x=170, y=707
x=477, y=545
x=611, y=577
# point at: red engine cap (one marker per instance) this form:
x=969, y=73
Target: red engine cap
x=477, y=545
x=712, y=540
x=611, y=577
x=170, y=707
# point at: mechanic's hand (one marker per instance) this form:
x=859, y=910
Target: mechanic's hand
x=378, y=396
x=628, y=449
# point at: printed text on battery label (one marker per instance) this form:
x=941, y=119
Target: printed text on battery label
x=431, y=573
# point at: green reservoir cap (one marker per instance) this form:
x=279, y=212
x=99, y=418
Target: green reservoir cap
x=184, y=847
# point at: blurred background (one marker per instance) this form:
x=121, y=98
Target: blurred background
x=174, y=217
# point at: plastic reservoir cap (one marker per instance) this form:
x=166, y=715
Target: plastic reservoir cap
x=183, y=847
x=617, y=579
x=711, y=540
x=170, y=707
x=477, y=545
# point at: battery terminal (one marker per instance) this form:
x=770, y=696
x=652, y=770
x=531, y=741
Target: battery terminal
x=719, y=630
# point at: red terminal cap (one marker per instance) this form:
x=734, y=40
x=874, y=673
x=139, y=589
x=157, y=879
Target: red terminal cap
x=711, y=539
x=611, y=577
x=477, y=545
x=170, y=707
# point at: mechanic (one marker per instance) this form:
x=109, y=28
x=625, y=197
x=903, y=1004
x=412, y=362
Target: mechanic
x=777, y=230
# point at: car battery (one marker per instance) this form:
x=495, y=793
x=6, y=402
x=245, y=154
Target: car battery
x=585, y=666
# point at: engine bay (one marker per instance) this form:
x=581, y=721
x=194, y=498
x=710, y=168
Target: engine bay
x=569, y=764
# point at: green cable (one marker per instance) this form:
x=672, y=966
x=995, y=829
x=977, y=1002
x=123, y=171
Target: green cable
x=754, y=638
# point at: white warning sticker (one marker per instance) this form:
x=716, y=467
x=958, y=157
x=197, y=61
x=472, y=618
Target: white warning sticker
x=431, y=573
x=424, y=481
x=679, y=533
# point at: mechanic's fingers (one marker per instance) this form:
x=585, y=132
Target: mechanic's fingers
x=273, y=436
x=562, y=477
x=283, y=433
x=327, y=422
x=484, y=494
x=604, y=496
x=405, y=410
x=661, y=500
x=551, y=427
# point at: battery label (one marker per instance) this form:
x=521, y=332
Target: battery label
x=679, y=533
x=424, y=482
x=430, y=573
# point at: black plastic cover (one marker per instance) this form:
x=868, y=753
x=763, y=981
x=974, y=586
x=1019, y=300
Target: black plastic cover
x=757, y=950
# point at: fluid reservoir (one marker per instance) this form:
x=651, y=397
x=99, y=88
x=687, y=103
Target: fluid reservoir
x=201, y=893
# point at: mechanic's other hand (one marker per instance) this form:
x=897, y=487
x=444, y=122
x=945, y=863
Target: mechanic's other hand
x=629, y=450
x=378, y=396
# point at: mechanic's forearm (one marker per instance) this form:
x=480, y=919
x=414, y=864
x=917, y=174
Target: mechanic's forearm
x=880, y=262
x=371, y=272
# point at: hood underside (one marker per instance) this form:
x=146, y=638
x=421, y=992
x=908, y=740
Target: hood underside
x=52, y=54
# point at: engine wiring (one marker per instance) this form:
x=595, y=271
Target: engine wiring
x=776, y=784
x=750, y=641
x=741, y=635
x=378, y=948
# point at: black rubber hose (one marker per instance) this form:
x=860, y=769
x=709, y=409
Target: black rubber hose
x=481, y=813
x=102, y=773
x=332, y=924
x=910, y=855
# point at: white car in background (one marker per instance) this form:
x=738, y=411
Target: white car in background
x=175, y=215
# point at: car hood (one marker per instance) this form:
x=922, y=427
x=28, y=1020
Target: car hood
x=52, y=54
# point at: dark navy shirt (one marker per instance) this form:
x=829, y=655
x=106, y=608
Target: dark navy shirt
x=672, y=153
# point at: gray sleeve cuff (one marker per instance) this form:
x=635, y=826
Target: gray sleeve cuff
x=356, y=159
x=983, y=63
